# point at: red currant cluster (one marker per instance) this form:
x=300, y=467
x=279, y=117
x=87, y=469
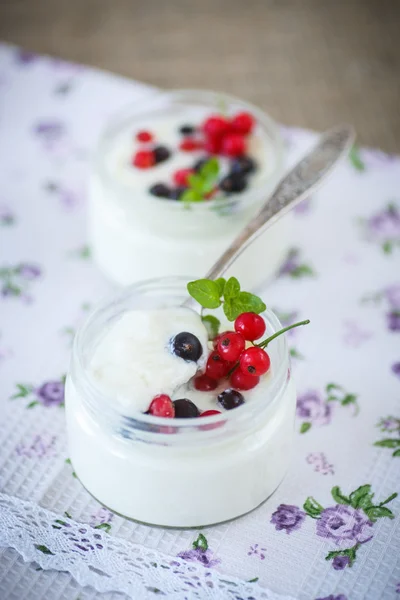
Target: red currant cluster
x=229, y=359
x=149, y=153
x=227, y=136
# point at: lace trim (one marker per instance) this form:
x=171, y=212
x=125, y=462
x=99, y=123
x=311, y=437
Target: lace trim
x=111, y=564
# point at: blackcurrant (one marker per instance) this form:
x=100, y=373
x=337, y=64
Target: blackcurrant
x=230, y=398
x=185, y=409
x=187, y=346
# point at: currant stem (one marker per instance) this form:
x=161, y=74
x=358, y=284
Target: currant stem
x=265, y=343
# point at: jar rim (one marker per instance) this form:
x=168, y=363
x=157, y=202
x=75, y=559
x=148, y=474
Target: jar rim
x=148, y=105
x=91, y=390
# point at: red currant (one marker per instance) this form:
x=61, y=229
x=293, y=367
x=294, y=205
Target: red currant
x=204, y=383
x=242, y=123
x=233, y=144
x=190, y=144
x=208, y=413
x=250, y=325
x=162, y=406
x=144, y=159
x=213, y=145
x=216, y=126
x=230, y=346
x=254, y=361
x=218, y=337
x=216, y=367
x=144, y=136
x=243, y=381
x=181, y=176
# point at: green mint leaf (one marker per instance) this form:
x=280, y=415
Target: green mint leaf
x=201, y=543
x=312, y=508
x=196, y=183
x=43, y=549
x=377, y=512
x=355, y=158
x=305, y=427
x=191, y=196
x=361, y=497
x=210, y=170
x=221, y=285
x=229, y=310
x=250, y=303
x=212, y=325
x=388, y=443
x=232, y=288
x=338, y=496
x=206, y=292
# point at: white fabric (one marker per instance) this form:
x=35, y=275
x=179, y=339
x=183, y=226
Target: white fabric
x=342, y=278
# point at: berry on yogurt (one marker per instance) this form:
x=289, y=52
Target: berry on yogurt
x=185, y=409
x=187, y=346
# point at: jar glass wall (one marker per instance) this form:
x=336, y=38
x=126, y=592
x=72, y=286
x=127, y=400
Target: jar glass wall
x=135, y=236
x=176, y=472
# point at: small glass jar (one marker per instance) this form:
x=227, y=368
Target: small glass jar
x=176, y=472
x=136, y=236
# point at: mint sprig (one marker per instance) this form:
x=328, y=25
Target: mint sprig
x=213, y=294
x=202, y=182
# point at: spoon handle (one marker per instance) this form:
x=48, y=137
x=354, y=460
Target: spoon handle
x=302, y=180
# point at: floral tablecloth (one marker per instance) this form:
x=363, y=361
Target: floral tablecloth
x=332, y=529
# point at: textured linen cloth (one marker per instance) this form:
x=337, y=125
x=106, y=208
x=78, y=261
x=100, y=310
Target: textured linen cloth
x=332, y=528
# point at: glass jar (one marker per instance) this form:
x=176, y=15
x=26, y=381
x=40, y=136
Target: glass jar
x=176, y=472
x=135, y=236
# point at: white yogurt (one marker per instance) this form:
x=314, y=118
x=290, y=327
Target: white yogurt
x=181, y=472
x=126, y=223
x=133, y=361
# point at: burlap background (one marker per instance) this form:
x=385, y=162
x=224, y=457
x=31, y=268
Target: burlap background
x=310, y=63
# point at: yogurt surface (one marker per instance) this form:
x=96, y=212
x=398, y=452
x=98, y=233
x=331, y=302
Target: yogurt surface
x=134, y=362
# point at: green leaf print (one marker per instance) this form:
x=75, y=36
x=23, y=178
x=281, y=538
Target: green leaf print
x=305, y=427
x=376, y=512
x=313, y=508
x=200, y=543
x=361, y=497
x=338, y=496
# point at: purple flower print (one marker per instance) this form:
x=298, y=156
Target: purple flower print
x=287, y=518
x=205, y=557
x=313, y=408
x=393, y=320
x=355, y=336
x=28, y=271
x=396, y=368
x=101, y=517
x=50, y=130
x=398, y=588
x=392, y=295
x=332, y=597
x=375, y=158
x=40, y=446
x=303, y=208
x=200, y=553
x=256, y=550
x=69, y=196
x=342, y=523
x=24, y=57
x=389, y=424
x=51, y=393
x=320, y=462
x=340, y=562
x=384, y=227
x=293, y=266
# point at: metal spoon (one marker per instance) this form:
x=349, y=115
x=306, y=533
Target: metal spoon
x=301, y=181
